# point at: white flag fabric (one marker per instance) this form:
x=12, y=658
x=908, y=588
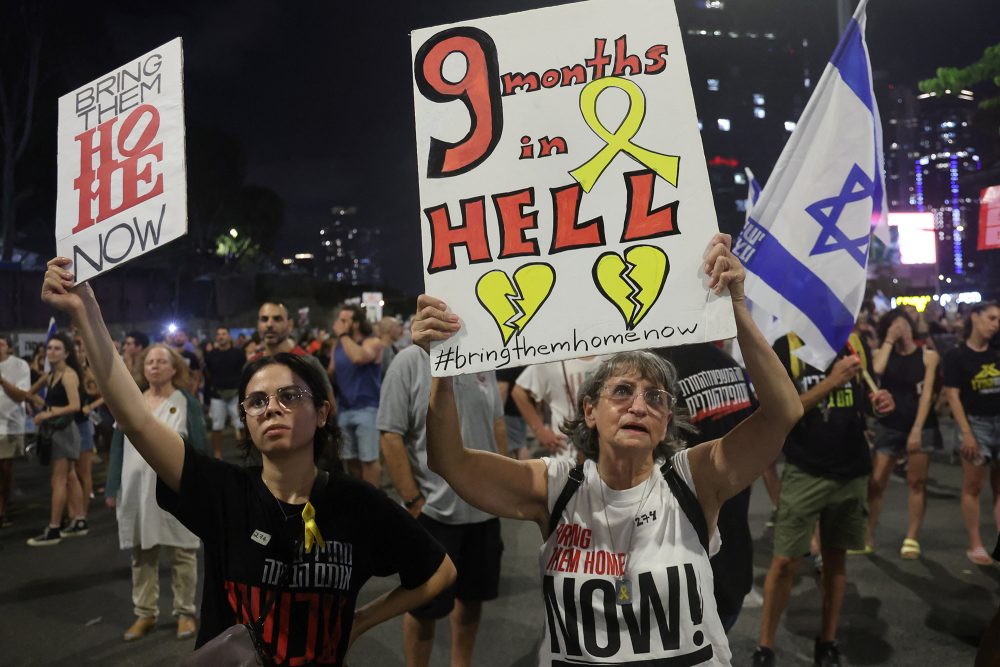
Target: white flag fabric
x=805, y=242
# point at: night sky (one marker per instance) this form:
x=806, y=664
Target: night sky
x=317, y=97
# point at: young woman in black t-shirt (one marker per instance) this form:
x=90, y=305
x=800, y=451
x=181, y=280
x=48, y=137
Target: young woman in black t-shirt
x=909, y=431
x=972, y=386
x=279, y=532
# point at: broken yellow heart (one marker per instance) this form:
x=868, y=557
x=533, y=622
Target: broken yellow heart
x=512, y=303
x=632, y=284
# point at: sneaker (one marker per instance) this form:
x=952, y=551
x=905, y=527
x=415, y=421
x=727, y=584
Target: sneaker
x=762, y=657
x=46, y=539
x=825, y=654
x=76, y=529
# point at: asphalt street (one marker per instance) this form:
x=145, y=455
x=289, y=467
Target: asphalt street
x=68, y=604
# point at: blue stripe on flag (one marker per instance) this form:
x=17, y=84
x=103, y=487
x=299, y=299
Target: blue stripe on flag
x=851, y=61
x=797, y=284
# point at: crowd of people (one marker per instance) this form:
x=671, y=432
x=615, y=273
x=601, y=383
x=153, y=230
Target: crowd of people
x=635, y=467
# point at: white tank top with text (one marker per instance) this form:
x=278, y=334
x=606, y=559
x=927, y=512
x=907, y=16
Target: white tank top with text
x=672, y=618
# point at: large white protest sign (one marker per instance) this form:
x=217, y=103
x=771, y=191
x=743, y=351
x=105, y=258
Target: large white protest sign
x=565, y=201
x=121, y=185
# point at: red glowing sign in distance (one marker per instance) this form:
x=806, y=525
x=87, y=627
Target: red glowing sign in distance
x=917, y=238
x=989, y=218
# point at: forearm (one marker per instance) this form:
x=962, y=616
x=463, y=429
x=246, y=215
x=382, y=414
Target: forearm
x=445, y=450
x=881, y=357
x=400, y=600
x=15, y=393
x=120, y=392
x=356, y=352
x=500, y=434
x=527, y=409
x=779, y=400
x=397, y=464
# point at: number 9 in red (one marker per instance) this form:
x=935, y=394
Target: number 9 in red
x=478, y=89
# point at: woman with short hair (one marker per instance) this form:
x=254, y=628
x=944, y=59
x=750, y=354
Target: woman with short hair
x=628, y=534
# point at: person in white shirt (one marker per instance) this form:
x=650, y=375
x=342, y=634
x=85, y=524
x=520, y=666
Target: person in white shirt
x=15, y=381
x=555, y=384
x=625, y=566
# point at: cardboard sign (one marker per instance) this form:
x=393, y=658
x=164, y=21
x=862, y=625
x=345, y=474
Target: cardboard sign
x=565, y=197
x=121, y=185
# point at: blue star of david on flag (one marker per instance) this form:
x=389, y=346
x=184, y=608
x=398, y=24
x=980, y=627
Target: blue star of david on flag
x=827, y=212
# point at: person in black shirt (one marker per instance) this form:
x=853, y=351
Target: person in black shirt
x=716, y=393
x=908, y=432
x=280, y=532
x=972, y=387
x=825, y=479
x=223, y=366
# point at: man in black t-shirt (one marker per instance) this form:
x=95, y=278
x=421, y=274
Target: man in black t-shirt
x=717, y=395
x=825, y=479
x=223, y=366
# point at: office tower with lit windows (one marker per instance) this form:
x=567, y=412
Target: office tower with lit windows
x=752, y=72
x=349, y=250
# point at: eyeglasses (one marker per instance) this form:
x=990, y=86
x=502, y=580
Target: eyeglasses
x=289, y=398
x=658, y=401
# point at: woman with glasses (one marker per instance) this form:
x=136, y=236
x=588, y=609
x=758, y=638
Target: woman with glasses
x=285, y=543
x=628, y=535
x=143, y=527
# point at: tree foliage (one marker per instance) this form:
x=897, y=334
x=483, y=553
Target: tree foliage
x=985, y=69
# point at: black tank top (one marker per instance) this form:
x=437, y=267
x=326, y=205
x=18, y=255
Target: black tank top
x=904, y=379
x=56, y=396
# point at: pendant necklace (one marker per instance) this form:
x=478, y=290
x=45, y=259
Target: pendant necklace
x=623, y=586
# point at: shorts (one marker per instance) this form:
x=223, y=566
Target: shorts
x=11, y=446
x=986, y=430
x=359, y=437
x=517, y=433
x=221, y=408
x=840, y=506
x=892, y=443
x=66, y=443
x=86, y=429
x=476, y=550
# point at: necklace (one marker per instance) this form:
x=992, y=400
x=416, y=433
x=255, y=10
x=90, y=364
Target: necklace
x=623, y=586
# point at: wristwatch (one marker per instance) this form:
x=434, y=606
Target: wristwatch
x=409, y=504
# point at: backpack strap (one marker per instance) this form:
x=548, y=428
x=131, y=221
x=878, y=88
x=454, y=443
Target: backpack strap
x=572, y=484
x=687, y=500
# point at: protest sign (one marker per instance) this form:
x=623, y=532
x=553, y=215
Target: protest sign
x=565, y=200
x=121, y=186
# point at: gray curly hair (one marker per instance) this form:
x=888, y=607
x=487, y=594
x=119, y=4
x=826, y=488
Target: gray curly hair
x=648, y=366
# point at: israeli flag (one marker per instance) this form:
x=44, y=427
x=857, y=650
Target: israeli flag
x=805, y=242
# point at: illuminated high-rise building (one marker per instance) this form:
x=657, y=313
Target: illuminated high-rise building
x=349, y=250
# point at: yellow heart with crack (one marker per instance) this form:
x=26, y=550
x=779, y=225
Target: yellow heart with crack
x=512, y=302
x=634, y=282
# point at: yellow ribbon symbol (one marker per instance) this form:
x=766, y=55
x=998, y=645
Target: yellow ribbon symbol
x=619, y=141
x=312, y=530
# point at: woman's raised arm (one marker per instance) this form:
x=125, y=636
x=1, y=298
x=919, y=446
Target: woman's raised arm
x=724, y=467
x=496, y=484
x=161, y=446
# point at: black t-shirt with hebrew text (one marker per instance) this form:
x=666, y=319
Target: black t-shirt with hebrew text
x=249, y=545
x=717, y=395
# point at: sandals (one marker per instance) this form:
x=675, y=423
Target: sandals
x=978, y=556
x=910, y=549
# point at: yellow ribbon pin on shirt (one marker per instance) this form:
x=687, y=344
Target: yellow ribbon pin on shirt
x=312, y=530
x=619, y=141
